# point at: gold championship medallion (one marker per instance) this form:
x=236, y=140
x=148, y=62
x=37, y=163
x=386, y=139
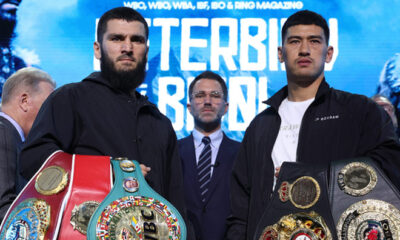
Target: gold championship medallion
x=357, y=179
x=80, y=215
x=51, y=180
x=303, y=193
x=130, y=184
x=29, y=220
x=127, y=165
x=369, y=219
x=298, y=226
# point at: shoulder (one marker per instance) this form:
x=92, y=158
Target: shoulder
x=67, y=90
x=88, y=83
x=230, y=141
x=159, y=117
x=352, y=101
x=262, y=120
x=6, y=126
x=8, y=132
x=76, y=91
x=185, y=140
x=149, y=109
x=347, y=97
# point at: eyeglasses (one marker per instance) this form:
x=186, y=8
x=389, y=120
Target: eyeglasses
x=201, y=95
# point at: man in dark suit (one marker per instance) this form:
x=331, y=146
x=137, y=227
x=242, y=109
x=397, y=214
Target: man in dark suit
x=207, y=157
x=22, y=97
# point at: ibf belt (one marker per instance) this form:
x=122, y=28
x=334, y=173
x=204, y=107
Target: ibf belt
x=37, y=210
x=90, y=184
x=364, y=202
x=298, y=226
x=369, y=219
x=132, y=210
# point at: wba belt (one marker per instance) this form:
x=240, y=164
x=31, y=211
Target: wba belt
x=35, y=213
x=364, y=203
x=299, y=207
x=132, y=210
x=90, y=183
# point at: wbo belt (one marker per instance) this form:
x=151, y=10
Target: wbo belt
x=299, y=207
x=36, y=212
x=133, y=210
x=364, y=203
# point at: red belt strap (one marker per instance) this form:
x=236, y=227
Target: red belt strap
x=91, y=181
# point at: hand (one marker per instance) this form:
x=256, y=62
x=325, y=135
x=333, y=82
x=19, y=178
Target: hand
x=277, y=171
x=145, y=170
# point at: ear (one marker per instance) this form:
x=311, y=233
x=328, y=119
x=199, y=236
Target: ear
x=189, y=107
x=329, y=54
x=226, y=107
x=147, y=53
x=280, y=54
x=97, y=50
x=24, y=102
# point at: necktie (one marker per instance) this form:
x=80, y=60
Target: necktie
x=204, y=167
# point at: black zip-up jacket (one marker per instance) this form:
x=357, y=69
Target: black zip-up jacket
x=336, y=125
x=92, y=118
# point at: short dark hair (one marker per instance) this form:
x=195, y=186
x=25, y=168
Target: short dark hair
x=305, y=17
x=212, y=76
x=122, y=13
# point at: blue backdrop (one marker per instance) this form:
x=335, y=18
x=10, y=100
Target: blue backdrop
x=237, y=39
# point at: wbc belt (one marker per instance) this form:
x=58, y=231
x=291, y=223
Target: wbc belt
x=299, y=207
x=90, y=183
x=37, y=210
x=132, y=210
x=364, y=203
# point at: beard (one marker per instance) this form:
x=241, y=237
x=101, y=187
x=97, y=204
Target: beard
x=208, y=126
x=123, y=80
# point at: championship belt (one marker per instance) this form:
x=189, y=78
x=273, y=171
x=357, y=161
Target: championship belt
x=299, y=207
x=90, y=183
x=36, y=212
x=364, y=203
x=132, y=210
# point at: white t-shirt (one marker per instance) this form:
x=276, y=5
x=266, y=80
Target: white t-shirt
x=285, y=147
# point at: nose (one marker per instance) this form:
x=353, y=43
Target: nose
x=304, y=49
x=127, y=46
x=207, y=99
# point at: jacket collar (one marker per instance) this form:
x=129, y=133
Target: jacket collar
x=278, y=97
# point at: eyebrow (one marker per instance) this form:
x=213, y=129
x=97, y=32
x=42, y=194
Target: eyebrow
x=112, y=35
x=308, y=37
x=121, y=35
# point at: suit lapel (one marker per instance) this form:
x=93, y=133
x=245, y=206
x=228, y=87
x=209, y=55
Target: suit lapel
x=192, y=167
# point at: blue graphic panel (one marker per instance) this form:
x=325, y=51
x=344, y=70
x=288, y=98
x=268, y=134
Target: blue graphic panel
x=237, y=39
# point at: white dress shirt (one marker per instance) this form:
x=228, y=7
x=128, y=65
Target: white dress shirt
x=216, y=139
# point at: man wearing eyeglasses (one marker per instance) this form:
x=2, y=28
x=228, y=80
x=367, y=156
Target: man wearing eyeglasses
x=207, y=156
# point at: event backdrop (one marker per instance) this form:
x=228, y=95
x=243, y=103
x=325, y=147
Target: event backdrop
x=237, y=39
